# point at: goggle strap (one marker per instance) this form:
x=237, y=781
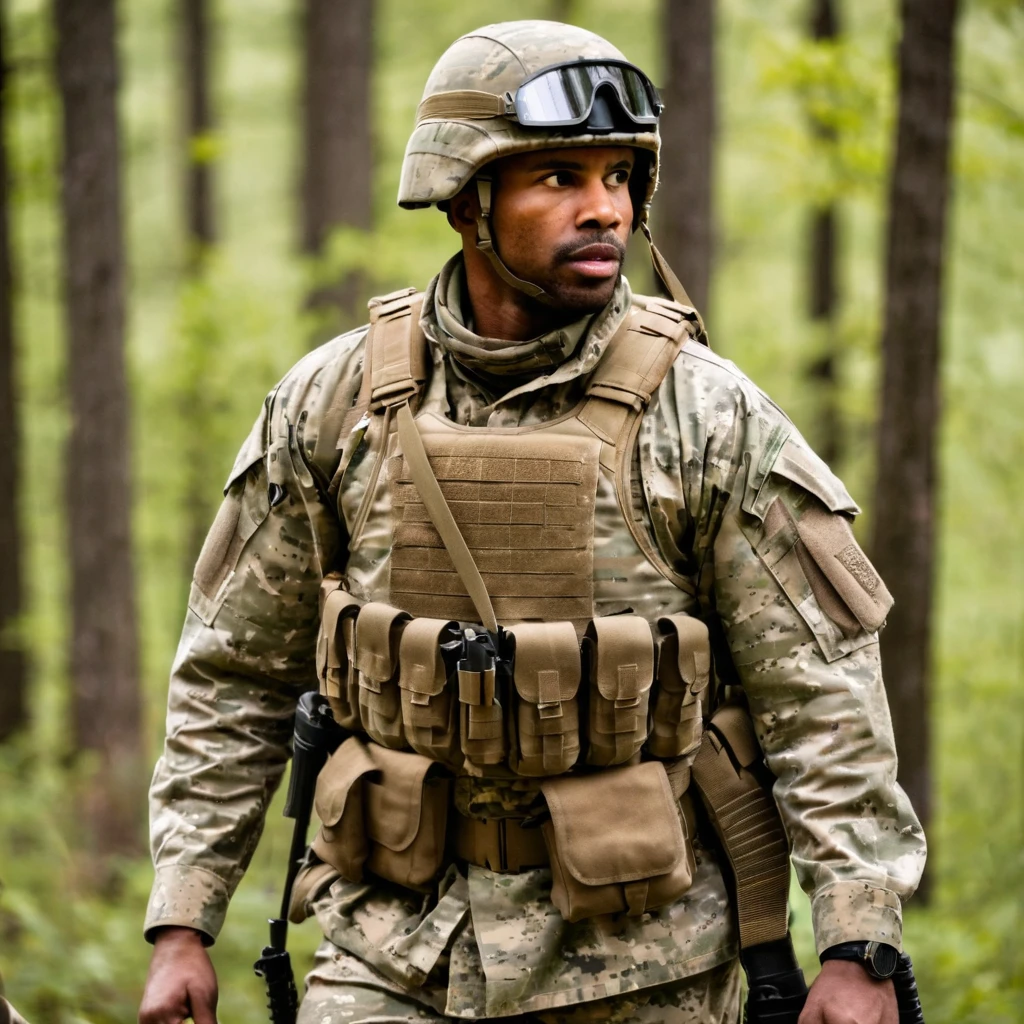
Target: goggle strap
x=485, y=244
x=462, y=105
x=672, y=285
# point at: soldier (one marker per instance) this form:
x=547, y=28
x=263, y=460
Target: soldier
x=528, y=445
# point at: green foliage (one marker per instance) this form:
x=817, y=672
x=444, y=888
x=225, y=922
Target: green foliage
x=204, y=351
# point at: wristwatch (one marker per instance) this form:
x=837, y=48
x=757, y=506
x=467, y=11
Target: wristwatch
x=879, y=959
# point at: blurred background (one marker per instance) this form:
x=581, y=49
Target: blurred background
x=196, y=192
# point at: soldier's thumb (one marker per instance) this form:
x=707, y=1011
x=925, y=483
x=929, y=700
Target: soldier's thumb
x=202, y=1001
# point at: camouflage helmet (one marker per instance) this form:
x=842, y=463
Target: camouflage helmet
x=462, y=123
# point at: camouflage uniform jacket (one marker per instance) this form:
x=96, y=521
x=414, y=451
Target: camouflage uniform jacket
x=725, y=474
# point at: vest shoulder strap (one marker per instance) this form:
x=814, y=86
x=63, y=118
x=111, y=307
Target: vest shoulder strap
x=394, y=356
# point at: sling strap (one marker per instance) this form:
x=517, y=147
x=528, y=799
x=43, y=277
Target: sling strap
x=747, y=822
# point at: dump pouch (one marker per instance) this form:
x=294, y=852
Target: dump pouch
x=544, y=718
x=620, y=651
x=617, y=842
x=341, y=840
x=429, y=710
x=377, y=635
x=335, y=643
x=406, y=817
x=684, y=668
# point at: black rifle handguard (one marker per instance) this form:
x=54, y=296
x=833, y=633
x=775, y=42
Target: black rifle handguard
x=316, y=737
x=776, y=990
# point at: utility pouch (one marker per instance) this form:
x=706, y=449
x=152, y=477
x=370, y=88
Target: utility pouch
x=684, y=668
x=378, y=632
x=338, y=611
x=341, y=840
x=406, y=817
x=617, y=842
x=620, y=651
x=481, y=718
x=544, y=719
x=429, y=712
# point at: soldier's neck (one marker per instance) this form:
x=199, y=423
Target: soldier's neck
x=501, y=311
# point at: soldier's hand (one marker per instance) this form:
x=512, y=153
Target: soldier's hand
x=182, y=983
x=844, y=993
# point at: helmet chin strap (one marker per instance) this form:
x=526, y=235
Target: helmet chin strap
x=485, y=243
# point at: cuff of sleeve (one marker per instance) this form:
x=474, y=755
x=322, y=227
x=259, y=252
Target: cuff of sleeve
x=187, y=896
x=856, y=911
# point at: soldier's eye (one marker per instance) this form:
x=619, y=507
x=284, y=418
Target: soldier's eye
x=559, y=179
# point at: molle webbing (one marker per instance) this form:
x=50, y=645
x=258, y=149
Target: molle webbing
x=748, y=824
x=524, y=505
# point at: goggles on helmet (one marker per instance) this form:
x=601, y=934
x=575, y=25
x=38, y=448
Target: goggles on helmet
x=562, y=95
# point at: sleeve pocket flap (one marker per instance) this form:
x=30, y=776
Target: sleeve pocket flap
x=624, y=656
x=547, y=662
x=421, y=666
x=343, y=770
x=641, y=839
x=394, y=801
x=376, y=647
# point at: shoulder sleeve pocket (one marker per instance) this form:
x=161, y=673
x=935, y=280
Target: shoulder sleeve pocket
x=245, y=506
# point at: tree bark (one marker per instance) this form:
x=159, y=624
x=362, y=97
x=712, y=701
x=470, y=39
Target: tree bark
x=200, y=219
x=103, y=659
x=337, y=175
x=13, y=675
x=685, y=227
x=823, y=279
x=904, y=509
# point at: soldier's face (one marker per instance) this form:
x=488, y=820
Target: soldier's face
x=561, y=219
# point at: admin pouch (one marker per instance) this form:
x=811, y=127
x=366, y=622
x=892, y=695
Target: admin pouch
x=620, y=655
x=618, y=842
x=384, y=811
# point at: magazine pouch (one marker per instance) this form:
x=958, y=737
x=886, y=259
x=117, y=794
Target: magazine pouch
x=378, y=632
x=620, y=651
x=617, y=842
x=335, y=670
x=544, y=716
x=684, y=668
x=429, y=712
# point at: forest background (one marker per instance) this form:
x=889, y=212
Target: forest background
x=72, y=951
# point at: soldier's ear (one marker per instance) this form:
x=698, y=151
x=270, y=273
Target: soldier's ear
x=464, y=209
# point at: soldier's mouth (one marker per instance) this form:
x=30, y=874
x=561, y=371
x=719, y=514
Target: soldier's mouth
x=598, y=260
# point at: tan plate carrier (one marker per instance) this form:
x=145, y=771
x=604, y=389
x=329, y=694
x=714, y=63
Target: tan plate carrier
x=743, y=813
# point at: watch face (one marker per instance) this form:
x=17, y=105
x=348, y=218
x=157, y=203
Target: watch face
x=883, y=959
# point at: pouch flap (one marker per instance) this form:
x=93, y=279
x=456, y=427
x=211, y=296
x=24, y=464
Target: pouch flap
x=685, y=653
x=623, y=665
x=421, y=667
x=309, y=884
x=734, y=724
x=616, y=826
x=344, y=768
x=376, y=647
x=394, y=800
x=337, y=605
x=547, y=662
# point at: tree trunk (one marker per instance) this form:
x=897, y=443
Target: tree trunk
x=194, y=16
x=104, y=661
x=904, y=519
x=201, y=234
x=12, y=655
x=685, y=231
x=337, y=185
x=822, y=278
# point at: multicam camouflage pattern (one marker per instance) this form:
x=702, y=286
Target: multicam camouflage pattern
x=443, y=154
x=715, y=455
x=342, y=988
